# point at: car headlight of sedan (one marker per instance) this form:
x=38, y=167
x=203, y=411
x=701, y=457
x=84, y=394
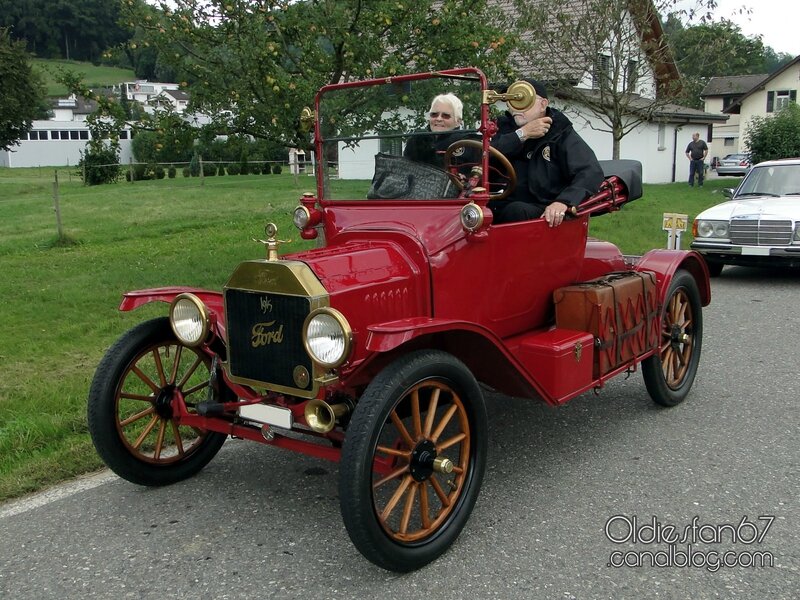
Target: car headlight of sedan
x=189, y=319
x=796, y=237
x=327, y=337
x=712, y=229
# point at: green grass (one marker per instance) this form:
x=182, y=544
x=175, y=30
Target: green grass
x=59, y=313
x=93, y=75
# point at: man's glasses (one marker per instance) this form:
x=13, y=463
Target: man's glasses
x=444, y=115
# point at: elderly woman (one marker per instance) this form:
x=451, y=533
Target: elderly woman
x=444, y=116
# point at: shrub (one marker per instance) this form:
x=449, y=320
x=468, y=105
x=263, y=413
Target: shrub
x=99, y=167
x=276, y=169
x=210, y=169
x=194, y=166
x=234, y=169
x=778, y=136
x=171, y=171
x=159, y=172
x=187, y=172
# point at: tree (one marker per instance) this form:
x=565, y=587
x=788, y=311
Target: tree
x=610, y=48
x=707, y=50
x=21, y=93
x=74, y=29
x=776, y=136
x=254, y=64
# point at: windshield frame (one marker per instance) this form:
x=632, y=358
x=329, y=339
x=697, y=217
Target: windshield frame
x=485, y=127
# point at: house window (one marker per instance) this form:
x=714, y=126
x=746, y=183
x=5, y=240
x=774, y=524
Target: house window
x=601, y=71
x=84, y=135
x=74, y=135
x=65, y=135
x=54, y=135
x=780, y=99
x=728, y=141
x=662, y=136
x=123, y=135
x=631, y=76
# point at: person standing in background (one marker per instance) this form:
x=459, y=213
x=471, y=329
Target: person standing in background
x=696, y=152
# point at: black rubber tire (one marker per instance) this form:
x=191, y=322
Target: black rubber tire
x=714, y=268
x=423, y=371
x=108, y=410
x=669, y=374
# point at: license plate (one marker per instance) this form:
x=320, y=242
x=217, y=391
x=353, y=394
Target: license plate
x=271, y=415
x=755, y=251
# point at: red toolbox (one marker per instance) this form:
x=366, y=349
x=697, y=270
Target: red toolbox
x=620, y=310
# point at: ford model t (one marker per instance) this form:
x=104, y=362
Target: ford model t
x=375, y=346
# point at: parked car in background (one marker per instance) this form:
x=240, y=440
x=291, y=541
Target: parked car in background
x=734, y=164
x=759, y=225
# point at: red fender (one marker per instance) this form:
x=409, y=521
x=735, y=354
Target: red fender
x=213, y=300
x=664, y=263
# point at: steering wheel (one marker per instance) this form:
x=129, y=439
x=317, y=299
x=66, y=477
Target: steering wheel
x=500, y=187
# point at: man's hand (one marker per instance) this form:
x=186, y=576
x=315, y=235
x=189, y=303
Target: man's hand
x=554, y=213
x=536, y=128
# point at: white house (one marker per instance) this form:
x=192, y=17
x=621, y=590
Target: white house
x=766, y=97
x=60, y=140
x=719, y=94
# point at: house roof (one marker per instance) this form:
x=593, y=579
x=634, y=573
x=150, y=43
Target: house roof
x=177, y=94
x=736, y=106
x=78, y=105
x=659, y=112
x=731, y=86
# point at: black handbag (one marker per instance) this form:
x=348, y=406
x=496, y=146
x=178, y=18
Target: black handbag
x=398, y=178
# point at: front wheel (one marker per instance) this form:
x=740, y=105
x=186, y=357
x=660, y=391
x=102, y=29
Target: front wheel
x=413, y=460
x=130, y=407
x=669, y=374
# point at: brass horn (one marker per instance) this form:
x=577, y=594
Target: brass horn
x=520, y=95
x=321, y=416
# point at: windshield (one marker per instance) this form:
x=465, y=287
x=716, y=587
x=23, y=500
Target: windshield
x=776, y=180
x=393, y=124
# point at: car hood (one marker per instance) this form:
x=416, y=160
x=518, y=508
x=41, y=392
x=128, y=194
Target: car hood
x=763, y=207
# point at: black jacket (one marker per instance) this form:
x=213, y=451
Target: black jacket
x=559, y=166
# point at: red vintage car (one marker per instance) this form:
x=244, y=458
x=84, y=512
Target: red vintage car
x=375, y=348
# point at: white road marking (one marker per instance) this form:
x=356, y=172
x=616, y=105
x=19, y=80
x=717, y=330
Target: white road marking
x=39, y=499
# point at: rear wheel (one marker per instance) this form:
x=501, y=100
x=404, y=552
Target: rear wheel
x=130, y=407
x=413, y=460
x=669, y=374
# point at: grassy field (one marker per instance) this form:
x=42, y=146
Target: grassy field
x=60, y=309
x=94, y=76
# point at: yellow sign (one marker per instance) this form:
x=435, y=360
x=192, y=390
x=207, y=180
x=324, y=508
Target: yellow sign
x=675, y=222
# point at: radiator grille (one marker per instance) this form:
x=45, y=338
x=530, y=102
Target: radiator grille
x=754, y=232
x=265, y=337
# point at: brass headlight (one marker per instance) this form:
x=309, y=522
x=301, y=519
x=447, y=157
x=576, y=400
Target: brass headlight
x=327, y=337
x=189, y=319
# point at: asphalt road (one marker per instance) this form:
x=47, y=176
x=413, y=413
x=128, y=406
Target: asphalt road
x=556, y=509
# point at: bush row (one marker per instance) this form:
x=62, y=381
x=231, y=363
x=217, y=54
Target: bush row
x=146, y=172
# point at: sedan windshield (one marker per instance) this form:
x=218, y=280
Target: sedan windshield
x=775, y=180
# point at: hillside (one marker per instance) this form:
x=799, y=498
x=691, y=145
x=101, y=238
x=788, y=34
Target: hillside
x=94, y=76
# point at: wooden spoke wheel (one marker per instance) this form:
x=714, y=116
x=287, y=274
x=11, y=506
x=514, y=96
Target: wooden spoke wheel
x=669, y=374
x=413, y=459
x=502, y=176
x=130, y=408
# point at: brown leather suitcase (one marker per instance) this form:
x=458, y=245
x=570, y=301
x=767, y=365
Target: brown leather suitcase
x=620, y=310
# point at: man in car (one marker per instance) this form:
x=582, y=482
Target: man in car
x=556, y=169
x=696, y=152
